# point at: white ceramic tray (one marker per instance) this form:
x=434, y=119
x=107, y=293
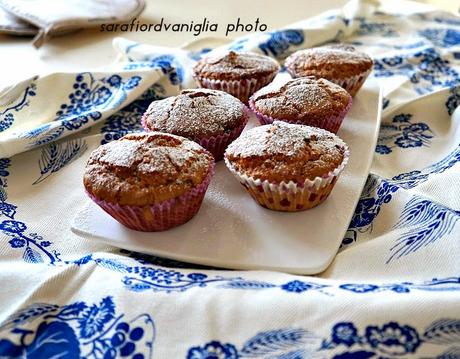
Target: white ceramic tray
x=232, y=231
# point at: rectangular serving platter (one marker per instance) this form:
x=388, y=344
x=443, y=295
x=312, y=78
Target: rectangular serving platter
x=232, y=231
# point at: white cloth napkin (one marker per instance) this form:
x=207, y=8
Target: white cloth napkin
x=393, y=290
x=58, y=17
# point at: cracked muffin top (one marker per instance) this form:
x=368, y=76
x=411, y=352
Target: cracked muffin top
x=300, y=99
x=330, y=62
x=286, y=152
x=235, y=66
x=146, y=168
x=195, y=114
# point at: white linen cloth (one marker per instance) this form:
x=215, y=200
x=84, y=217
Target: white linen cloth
x=393, y=290
x=50, y=17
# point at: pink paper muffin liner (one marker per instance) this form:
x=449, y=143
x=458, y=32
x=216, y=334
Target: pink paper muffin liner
x=160, y=216
x=331, y=124
x=353, y=83
x=216, y=144
x=241, y=89
x=291, y=196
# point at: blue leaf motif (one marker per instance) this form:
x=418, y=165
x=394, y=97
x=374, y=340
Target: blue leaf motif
x=72, y=310
x=273, y=341
x=248, y=284
x=28, y=314
x=56, y=156
x=32, y=256
x=54, y=340
x=428, y=222
x=95, y=317
x=112, y=265
x=10, y=350
x=443, y=331
x=451, y=353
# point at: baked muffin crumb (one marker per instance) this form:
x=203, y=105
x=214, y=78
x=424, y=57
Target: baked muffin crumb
x=286, y=152
x=146, y=168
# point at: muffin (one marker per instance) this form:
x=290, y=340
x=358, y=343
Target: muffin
x=240, y=74
x=209, y=117
x=304, y=101
x=149, y=181
x=341, y=64
x=287, y=167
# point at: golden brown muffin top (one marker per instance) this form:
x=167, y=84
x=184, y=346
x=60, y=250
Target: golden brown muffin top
x=286, y=152
x=300, y=99
x=235, y=66
x=331, y=62
x=145, y=168
x=195, y=114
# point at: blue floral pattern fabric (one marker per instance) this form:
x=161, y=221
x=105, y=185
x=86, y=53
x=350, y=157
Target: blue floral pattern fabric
x=392, y=291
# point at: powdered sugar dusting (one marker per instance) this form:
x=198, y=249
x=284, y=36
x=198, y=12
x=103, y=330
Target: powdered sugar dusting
x=121, y=153
x=300, y=98
x=236, y=64
x=196, y=113
x=282, y=138
x=332, y=61
x=153, y=153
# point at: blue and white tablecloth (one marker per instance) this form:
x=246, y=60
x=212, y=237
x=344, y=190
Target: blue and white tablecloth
x=393, y=291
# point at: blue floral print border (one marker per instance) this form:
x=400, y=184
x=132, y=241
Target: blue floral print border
x=388, y=340
x=77, y=330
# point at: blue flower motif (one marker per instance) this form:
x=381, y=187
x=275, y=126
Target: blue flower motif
x=7, y=209
x=402, y=118
x=441, y=37
x=6, y=122
x=169, y=66
x=197, y=276
x=345, y=333
x=400, y=289
x=406, y=142
x=419, y=128
x=114, y=80
x=213, y=350
x=393, y=339
x=393, y=61
x=75, y=123
x=17, y=242
x=45, y=243
x=101, y=96
x=410, y=179
x=296, y=286
x=4, y=164
x=364, y=213
x=407, y=175
x=359, y=288
x=383, y=149
x=279, y=42
x=11, y=226
x=132, y=82
x=453, y=101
